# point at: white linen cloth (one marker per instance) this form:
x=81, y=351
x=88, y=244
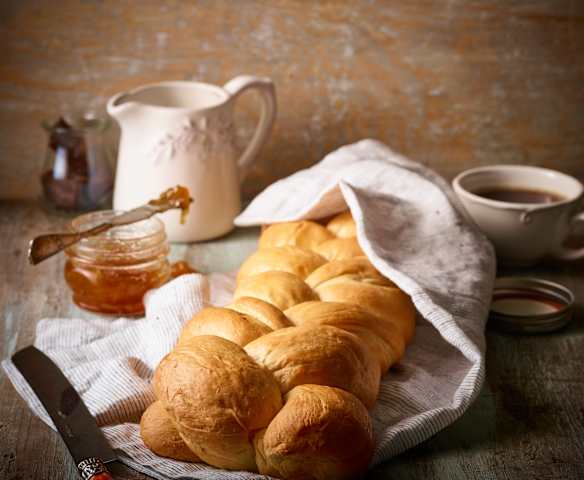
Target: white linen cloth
x=413, y=231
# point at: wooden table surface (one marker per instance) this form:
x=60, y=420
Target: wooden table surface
x=527, y=423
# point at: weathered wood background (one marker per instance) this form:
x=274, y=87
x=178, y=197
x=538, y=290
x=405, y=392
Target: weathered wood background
x=449, y=83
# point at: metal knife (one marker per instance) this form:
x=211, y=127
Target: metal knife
x=77, y=427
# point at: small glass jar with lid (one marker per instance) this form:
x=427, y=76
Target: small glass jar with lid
x=111, y=272
x=77, y=173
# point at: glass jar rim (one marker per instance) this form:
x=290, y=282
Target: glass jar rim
x=134, y=239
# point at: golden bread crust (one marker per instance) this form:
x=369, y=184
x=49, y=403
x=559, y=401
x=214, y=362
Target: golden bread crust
x=389, y=304
x=263, y=311
x=356, y=281
x=304, y=234
x=380, y=336
x=340, y=249
x=343, y=225
x=281, y=289
x=225, y=323
x=322, y=355
x=321, y=433
x=161, y=436
x=356, y=269
x=282, y=259
x=216, y=396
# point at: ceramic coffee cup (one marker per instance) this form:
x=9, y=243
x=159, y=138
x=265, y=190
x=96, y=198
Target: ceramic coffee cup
x=527, y=212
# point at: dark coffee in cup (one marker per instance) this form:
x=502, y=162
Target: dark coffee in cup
x=519, y=195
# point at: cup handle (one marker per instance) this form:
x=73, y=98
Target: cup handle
x=267, y=91
x=564, y=253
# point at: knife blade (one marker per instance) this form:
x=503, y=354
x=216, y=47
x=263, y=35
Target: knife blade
x=75, y=424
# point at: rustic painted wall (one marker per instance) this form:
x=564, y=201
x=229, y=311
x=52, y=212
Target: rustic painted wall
x=449, y=83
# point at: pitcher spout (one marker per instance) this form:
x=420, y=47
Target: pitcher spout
x=119, y=106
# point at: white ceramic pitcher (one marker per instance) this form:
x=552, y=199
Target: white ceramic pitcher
x=182, y=133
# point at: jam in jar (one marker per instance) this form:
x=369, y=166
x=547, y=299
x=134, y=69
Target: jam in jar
x=111, y=272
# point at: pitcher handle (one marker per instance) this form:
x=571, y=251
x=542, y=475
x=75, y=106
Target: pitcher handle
x=267, y=91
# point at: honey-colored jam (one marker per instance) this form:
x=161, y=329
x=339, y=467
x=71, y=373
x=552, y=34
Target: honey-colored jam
x=179, y=197
x=181, y=268
x=106, y=290
x=111, y=272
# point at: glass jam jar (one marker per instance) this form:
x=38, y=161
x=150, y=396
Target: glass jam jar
x=111, y=272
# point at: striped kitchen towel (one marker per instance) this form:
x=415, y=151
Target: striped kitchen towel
x=411, y=228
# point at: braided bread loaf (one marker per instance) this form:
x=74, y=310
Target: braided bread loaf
x=280, y=380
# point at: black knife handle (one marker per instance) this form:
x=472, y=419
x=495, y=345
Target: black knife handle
x=93, y=468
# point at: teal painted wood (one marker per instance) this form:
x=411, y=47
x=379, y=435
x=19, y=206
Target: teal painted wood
x=527, y=423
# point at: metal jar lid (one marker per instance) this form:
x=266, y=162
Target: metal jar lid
x=530, y=305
